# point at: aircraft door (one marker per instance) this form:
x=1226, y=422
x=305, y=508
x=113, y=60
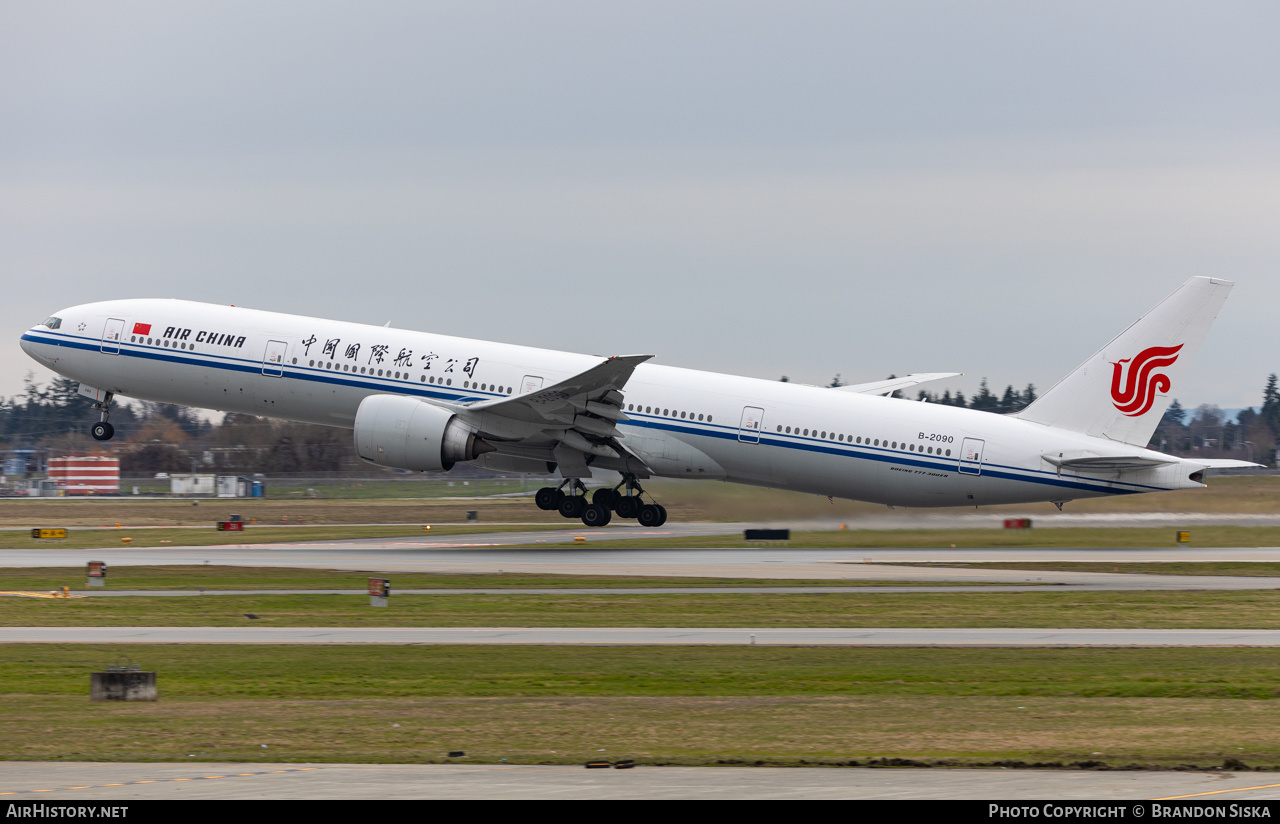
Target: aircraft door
x=531, y=383
x=971, y=456
x=273, y=358
x=111, y=336
x=752, y=423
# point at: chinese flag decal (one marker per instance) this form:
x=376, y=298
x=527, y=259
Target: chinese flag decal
x=142, y=329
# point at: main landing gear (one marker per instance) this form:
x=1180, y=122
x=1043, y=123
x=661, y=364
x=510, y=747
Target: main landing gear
x=603, y=505
x=102, y=430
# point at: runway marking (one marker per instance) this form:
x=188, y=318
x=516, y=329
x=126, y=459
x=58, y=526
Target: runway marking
x=1216, y=792
x=158, y=781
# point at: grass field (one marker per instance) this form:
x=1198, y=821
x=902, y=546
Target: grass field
x=212, y=577
x=1150, y=707
x=1247, y=569
x=204, y=513
x=661, y=705
x=86, y=538
x=1251, y=609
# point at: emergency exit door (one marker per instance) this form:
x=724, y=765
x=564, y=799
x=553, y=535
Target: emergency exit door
x=971, y=456
x=111, y=336
x=752, y=423
x=273, y=358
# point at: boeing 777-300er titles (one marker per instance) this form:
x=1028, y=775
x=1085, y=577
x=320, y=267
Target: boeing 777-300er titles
x=425, y=402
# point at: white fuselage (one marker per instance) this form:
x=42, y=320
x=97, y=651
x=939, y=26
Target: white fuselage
x=683, y=423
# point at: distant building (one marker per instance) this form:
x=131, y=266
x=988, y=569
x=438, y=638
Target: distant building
x=86, y=474
x=223, y=486
x=193, y=484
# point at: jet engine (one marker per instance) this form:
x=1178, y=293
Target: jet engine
x=406, y=433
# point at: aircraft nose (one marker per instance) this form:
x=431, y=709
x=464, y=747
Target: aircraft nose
x=26, y=345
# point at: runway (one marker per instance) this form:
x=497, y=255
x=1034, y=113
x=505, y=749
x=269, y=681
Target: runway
x=390, y=556
x=647, y=636
x=46, y=782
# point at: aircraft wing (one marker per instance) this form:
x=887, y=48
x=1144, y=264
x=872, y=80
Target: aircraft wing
x=891, y=385
x=1223, y=463
x=573, y=418
x=560, y=403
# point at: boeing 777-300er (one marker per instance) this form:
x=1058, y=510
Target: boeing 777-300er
x=426, y=402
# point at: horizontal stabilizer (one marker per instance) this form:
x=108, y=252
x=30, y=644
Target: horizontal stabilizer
x=891, y=385
x=1106, y=463
x=1223, y=463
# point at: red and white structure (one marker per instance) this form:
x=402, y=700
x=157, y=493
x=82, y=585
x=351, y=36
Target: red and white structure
x=86, y=474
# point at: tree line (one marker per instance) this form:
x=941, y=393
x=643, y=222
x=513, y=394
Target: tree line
x=163, y=437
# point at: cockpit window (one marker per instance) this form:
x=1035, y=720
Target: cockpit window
x=53, y=323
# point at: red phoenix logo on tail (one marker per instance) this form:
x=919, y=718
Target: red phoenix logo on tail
x=1141, y=385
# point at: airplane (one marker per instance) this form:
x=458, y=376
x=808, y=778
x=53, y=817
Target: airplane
x=426, y=402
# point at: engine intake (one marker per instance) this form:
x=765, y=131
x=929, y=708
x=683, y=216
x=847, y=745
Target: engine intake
x=406, y=433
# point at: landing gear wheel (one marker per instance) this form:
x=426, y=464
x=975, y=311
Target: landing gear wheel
x=596, y=515
x=650, y=515
x=607, y=498
x=548, y=498
x=102, y=431
x=663, y=510
x=572, y=506
x=628, y=506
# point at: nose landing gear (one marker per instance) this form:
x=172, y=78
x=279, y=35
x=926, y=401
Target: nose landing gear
x=102, y=430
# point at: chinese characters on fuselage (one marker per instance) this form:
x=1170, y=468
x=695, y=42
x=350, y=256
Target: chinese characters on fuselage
x=379, y=353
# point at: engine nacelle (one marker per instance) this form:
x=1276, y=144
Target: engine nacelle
x=406, y=433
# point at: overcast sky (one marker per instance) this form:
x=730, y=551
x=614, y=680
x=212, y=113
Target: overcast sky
x=799, y=188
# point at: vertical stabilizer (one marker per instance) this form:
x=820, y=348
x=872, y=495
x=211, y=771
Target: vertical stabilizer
x=1123, y=390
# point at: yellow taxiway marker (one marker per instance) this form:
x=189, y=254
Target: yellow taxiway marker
x=57, y=595
x=1216, y=792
